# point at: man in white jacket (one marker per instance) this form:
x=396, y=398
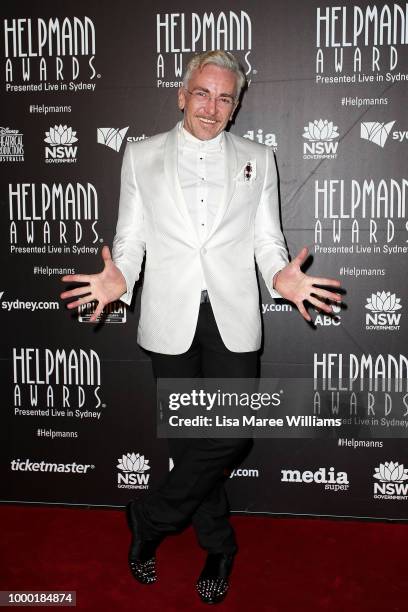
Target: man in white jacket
x=201, y=206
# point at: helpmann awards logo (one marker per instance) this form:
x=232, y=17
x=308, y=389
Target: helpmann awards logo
x=179, y=35
x=133, y=467
x=361, y=44
x=49, y=55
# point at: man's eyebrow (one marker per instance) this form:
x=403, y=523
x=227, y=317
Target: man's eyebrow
x=222, y=95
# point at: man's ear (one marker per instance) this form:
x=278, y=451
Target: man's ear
x=181, y=98
x=233, y=112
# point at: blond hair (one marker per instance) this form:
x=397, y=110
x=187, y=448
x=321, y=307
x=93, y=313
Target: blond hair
x=222, y=59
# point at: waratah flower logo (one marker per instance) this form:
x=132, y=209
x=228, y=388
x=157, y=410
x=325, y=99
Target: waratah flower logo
x=133, y=463
x=321, y=130
x=391, y=472
x=60, y=135
x=383, y=302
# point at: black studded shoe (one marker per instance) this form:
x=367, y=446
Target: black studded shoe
x=142, y=553
x=212, y=585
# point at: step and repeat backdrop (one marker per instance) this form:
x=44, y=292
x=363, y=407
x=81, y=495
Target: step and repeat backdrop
x=327, y=92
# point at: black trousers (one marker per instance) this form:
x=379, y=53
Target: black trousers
x=194, y=489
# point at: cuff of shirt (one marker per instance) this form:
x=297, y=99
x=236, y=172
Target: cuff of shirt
x=127, y=296
x=273, y=293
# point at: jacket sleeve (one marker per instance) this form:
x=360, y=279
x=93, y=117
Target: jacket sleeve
x=129, y=241
x=271, y=253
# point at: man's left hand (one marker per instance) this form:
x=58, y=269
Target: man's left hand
x=293, y=285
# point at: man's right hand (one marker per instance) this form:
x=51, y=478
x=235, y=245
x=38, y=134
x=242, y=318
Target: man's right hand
x=105, y=287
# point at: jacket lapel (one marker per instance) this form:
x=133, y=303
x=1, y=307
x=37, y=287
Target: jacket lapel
x=172, y=179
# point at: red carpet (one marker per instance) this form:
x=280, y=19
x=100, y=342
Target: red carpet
x=284, y=565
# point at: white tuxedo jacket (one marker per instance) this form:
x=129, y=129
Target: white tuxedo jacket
x=154, y=220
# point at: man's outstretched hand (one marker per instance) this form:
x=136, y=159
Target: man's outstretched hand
x=295, y=286
x=105, y=287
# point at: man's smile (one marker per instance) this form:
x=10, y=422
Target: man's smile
x=207, y=120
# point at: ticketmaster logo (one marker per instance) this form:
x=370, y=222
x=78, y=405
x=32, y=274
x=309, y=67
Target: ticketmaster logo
x=42, y=466
x=112, y=137
x=376, y=132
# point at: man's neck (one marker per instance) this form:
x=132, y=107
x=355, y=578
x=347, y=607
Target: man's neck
x=211, y=143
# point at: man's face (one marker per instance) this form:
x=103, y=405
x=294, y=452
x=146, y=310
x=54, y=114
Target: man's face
x=206, y=118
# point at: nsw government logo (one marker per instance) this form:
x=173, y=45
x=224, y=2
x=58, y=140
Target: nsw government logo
x=61, y=138
x=11, y=145
x=320, y=135
x=392, y=476
x=383, y=316
x=133, y=472
x=336, y=481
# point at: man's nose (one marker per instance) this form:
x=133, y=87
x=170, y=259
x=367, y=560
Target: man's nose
x=211, y=105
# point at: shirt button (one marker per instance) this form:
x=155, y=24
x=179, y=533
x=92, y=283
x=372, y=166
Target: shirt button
x=203, y=251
